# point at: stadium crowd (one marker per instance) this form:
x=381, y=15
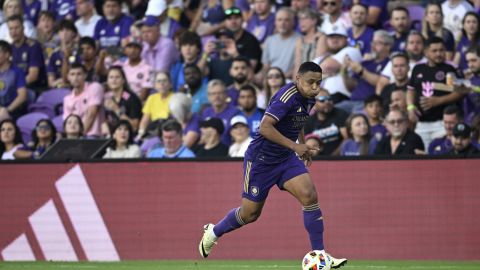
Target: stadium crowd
x=184, y=79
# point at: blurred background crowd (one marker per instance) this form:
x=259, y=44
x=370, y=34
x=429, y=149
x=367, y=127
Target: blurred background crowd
x=192, y=78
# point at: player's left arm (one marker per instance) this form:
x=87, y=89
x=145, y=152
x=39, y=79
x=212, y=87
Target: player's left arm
x=301, y=136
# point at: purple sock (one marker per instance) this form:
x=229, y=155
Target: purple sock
x=313, y=221
x=230, y=222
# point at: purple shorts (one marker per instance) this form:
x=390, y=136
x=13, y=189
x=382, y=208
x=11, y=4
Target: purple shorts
x=259, y=176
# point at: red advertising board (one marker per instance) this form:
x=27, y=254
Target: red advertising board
x=404, y=209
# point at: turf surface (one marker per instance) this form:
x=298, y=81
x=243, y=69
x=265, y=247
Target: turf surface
x=233, y=265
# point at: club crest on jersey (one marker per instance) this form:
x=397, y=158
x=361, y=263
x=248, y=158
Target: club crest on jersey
x=299, y=109
x=254, y=190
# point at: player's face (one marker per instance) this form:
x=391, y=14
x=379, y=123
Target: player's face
x=309, y=84
x=171, y=141
x=459, y=143
x=449, y=122
x=7, y=133
x=359, y=127
x=473, y=62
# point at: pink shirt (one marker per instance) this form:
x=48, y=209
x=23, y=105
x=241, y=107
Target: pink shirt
x=138, y=76
x=92, y=95
x=162, y=55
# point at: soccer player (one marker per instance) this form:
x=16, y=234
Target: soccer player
x=271, y=158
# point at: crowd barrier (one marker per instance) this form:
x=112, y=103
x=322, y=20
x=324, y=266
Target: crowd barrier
x=108, y=211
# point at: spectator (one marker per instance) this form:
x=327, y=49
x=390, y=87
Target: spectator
x=398, y=101
x=210, y=144
x=47, y=35
x=180, y=110
x=471, y=102
x=400, y=141
x=360, y=35
x=168, y=25
x=432, y=25
x=73, y=127
x=374, y=112
x=454, y=11
x=172, y=143
x=306, y=46
x=333, y=16
x=87, y=56
x=12, y=8
x=55, y=67
x=279, y=49
x=315, y=142
x=122, y=143
x=196, y=87
x=297, y=5
x=27, y=54
x=43, y=136
x=63, y=9
x=423, y=95
x=247, y=44
x=159, y=52
x=156, y=109
x=366, y=72
x=240, y=136
x=240, y=71
x=377, y=12
x=85, y=100
x=209, y=17
x=462, y=142
x=137, y=70
x=400, y=69
x=190, y=49
x=113, y=29
x=247, y=102
x=119, y=101
x=359, y=142
x=469, y=37
x=87, y=17
x=328, y=123
x=401, y=24
x=452, y=115
x=10, y=139
x=273, y=81
x=262, y=21
x=13, y=94
x=220, y=108
x=414, y=51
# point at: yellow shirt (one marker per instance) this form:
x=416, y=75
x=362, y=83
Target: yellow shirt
x=157, y=107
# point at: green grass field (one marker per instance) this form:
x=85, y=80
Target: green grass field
x=233, y=265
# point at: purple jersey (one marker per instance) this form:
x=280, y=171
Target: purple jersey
x=352, y=148
x=192, y=124
x=378, y=132
x=32, y=10
x=363, y=41
x=364, y=89
x=10, y=81
x=30, y=54
x=261, y=29
x=226, y=115
x=399, y=43
x=471, y=102
x=111, y=33
x=254, y=120
x=64, y=9
x=291, y=110
x=233, y=94
x=440, y=146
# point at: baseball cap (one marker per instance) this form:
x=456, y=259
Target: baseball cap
x=314, y=136
x=134, y=43
x=335, y=30
x=461, y=130
x=149, y=21
x=239, y=119
x=233, y=11
x=224, y=32
x=213, y=122
x=156, y=7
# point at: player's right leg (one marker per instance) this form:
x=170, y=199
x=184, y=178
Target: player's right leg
x=248, y=212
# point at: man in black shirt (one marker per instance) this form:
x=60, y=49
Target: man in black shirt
x=210, y=144
x=428, y=92
x=462, y=141
x=328, y=123
x=400, y=70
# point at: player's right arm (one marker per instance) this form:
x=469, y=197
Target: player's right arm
x=267, y=130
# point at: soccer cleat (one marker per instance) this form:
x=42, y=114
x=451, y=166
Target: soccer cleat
x=206, y=245
x=337, y=263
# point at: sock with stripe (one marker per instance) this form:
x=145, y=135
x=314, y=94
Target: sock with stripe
x=230, y=222
x=313, y=222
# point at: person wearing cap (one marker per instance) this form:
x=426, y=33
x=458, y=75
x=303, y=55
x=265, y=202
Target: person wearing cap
x=462, y=141
x=240, y=136
x=210, y=144
x=366, y=72
x=160, y=9
x=159, y=52
x=137, y=71
x=87, y=18
x=114, y=28
x=171, y=135
x=452, y=115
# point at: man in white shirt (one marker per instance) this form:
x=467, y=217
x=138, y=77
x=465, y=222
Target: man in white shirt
x=87, y=17
x=333, y=15
x=454, y=11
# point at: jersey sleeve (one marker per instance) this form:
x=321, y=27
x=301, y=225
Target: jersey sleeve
x=278, y=109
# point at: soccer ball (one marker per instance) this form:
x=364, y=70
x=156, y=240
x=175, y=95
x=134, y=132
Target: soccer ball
x=316, y=260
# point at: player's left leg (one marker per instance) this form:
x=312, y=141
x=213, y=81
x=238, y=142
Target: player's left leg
x=303, y=189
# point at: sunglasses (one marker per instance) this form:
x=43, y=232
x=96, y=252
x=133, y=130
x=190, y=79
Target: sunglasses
x=274, y=76
x=324, y=98
x=233, y=11
x=396, y=121
x=43, y=128
x=329, y=4
x=161, y=81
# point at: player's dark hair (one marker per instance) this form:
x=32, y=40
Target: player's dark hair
x=241, y=59
x=453, y=109
x=309, y=66
x=372, y=99
x=15, y=17
x=78, y=66
x=5, y=47
x=433, y=40
x=87, y=41
x=172, y=125
x=248, y=88
x=400, y=8
x=190, y=38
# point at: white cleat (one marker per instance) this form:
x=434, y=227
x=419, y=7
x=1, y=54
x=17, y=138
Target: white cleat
x=337, y=263
x=207, y=243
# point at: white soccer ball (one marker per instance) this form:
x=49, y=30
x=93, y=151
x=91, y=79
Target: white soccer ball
x=316, y=260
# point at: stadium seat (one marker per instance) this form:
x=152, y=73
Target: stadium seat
x=27, y=122
x=50, y=102
x=58, y=123
x=416, y=15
